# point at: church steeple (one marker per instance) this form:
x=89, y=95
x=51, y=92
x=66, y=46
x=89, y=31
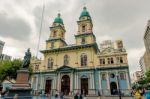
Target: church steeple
x=57, y=29
x=57, y=33
x=58, y=19
x=85, y=24
x=85, y=28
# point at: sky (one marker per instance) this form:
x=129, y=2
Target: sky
x=112, y=20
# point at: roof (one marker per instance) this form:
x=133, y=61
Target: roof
x=71, y=47
x=58, y=19
x=84, y=13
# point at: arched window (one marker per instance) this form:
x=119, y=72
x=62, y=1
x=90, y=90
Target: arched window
x=54, y=34
x=66, y=60
x=83, y=28
x=52, y=44
x=36, y=67
x=83, y=40
x=122, y=76
x=50, y=63
x=83, y=60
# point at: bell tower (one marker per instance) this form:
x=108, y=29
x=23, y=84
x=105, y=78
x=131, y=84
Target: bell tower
x=85, y=29
x=57, y=34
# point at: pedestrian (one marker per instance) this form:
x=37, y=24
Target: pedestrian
x=78, y=96
x=137, y=94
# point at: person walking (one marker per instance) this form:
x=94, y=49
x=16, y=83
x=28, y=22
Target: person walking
x=137, y=94
x=78, y=96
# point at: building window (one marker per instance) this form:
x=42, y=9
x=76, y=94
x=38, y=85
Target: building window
x=112, y=60
x=103, y=76
x=83, y=28
x=122, y=76
x=52, y=44
x=66, y=60
x=109, y=60
x=54, y=34
x=83, y=60
x=102, y=61
x=36, y=67
x=50, y=63
x=119, y=59
x=83, y=40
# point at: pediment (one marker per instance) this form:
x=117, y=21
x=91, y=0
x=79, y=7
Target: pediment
x=108, y=50
x=65, y=68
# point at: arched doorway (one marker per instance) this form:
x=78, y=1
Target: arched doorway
x=113, y=88
x=84, y=86
x=48, y=85
x=65, y=85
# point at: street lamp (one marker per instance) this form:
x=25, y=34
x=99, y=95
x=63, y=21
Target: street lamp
x=119, y=92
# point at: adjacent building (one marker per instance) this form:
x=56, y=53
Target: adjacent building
x=142, y=66
x=81, y=67
x=5, y=57
x=147, y=46
x=1, y=46
x=137, y=76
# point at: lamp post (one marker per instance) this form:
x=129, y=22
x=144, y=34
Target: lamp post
x=119, y=92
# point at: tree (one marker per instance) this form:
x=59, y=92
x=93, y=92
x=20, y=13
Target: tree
x=8, y=69
x=145, y=81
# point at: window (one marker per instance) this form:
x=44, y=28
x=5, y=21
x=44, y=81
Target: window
x=83, y=60
x=103, y=76
x=119, y=59
x=112, y=60
x=36, y=67
x=102, y=61
x=109, y=60
x=83, y=28
x=52, y=44
x=50, y=63
x=66, y=60
x=54, y=34
x=122, y=76
x=83, y=40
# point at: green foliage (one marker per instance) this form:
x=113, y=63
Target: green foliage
x=145, y=81
x=8, y=69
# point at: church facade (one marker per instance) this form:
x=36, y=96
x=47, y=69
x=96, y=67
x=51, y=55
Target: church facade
x=81, y=67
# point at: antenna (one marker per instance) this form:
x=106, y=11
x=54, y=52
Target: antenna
x=40, y=31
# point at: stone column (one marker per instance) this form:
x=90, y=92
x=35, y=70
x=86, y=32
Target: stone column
x=100, y=83
x=58, y=82
x=127, y=80
x=108, y=82
x=71, y=81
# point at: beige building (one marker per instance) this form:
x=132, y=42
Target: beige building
x=82, y=66
x=136, y=76
x=147, y=46
x=142, y=66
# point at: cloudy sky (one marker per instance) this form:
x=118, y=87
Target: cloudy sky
x=112, y=19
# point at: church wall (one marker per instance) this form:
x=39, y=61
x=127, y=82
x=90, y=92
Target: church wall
x=74, y=55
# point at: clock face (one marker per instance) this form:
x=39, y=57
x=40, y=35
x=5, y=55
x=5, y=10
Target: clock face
x=112, y=75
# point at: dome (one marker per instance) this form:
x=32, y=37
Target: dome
x=58, y=19
x=84, y=13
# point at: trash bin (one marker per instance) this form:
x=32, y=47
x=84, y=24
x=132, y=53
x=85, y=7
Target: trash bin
x=148, y=94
